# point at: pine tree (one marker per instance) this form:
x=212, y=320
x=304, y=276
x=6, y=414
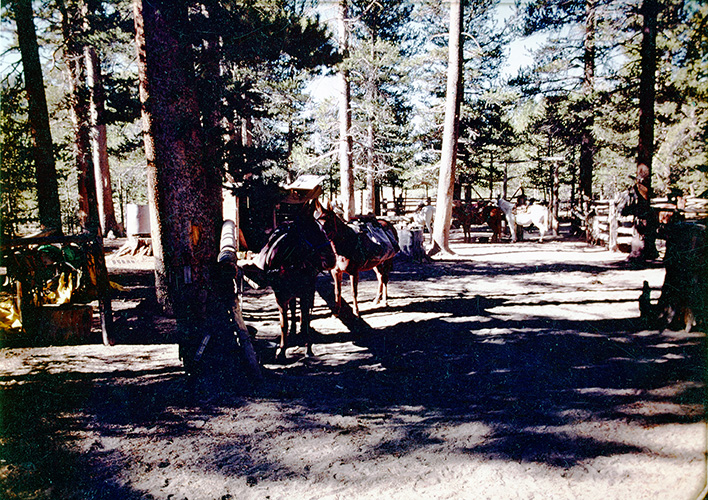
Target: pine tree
x=46, y=173
x=446, y=179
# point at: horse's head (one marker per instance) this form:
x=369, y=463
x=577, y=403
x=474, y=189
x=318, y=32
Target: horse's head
x=313, y=233
x=327, y=217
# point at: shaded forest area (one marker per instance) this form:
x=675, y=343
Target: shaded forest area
x=169, y=105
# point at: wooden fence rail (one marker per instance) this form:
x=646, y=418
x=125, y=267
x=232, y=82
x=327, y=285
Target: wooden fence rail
x=614, y=231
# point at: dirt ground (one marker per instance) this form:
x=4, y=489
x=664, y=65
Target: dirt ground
x=509, y=371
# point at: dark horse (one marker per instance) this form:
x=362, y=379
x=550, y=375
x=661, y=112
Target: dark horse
x=296, y=252
x=635, y=202
x=372, y=247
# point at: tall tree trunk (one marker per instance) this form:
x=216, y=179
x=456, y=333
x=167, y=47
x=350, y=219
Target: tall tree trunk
x=370, y=204
x=99, y=146
x=647, y=93
x=43, y=151
x=346, y=170
x=453, y=97
x=72, y=19
x=185, y=193
x=587, y=139
x=645, y=227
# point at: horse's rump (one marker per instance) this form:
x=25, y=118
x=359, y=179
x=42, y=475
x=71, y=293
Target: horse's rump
x=275, y=252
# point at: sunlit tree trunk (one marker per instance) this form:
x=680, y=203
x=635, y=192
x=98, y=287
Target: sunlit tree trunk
x=72, y=19
x=587, y=139
x=346, y=169
x=446, y=180
x=45, y=166
x=370, y=203
x=99, y=146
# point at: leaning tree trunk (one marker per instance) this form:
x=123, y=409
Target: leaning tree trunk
x=102, y=171
x=43, y=151
x=645, y=227
x=346, y=169
x=446, y=180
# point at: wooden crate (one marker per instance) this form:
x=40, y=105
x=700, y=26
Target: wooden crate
x=63, y=324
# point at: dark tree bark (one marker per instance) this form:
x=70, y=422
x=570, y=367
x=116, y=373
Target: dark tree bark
x=45, y=166
x=453, y=98
x=185, y=193
x=645, y=227
x=647, y=93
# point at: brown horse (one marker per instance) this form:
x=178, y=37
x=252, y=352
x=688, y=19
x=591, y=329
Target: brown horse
x=471, y=214
x=466, y=215
x=493, y=216
x=371, y=246
x=296, y=252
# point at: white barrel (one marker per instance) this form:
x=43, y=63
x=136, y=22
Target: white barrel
x=137, y=219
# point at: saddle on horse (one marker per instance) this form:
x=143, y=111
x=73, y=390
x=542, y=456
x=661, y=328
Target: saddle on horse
x=379, y=243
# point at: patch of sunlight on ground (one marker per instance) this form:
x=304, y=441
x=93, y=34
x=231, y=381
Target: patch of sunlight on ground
x=88, y=359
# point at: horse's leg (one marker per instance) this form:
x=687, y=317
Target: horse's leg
x=380, y=295
x=383, y=273
x=496, y=226
x=337, y=278
x=283, y=312
x=306, y=302
x=293, y=316
x=355, y=288
x=512, y=227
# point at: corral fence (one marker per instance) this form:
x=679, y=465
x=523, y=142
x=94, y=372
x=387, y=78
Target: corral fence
x=606, y=227
x=404, y=206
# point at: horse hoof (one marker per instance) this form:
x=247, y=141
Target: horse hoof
x=280, y=355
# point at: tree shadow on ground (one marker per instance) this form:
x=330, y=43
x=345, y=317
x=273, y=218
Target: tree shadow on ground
x=526, y=382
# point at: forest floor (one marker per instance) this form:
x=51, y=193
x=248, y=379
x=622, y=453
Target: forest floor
x=507, y=371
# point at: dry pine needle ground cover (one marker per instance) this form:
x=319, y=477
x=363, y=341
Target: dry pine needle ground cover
x=506, y=372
